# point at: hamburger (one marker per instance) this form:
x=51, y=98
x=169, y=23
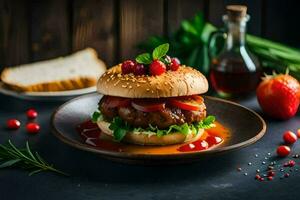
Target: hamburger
x=152, y=100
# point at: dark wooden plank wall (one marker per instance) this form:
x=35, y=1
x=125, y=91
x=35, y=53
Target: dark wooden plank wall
x=32, y=30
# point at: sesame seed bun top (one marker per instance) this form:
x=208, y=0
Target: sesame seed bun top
x=183, y=82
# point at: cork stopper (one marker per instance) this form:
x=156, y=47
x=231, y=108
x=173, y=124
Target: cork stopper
x=236, y=12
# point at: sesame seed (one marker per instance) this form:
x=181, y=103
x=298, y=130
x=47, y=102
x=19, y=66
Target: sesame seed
x=130, y=86
x=124, y=86
x=148, y=89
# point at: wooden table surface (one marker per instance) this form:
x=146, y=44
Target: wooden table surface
x=96, y=178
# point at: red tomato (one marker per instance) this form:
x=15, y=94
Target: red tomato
x=298, y=133
x=32, y=127
x=113, y=102
x=289, y=137
x=13, y=124
x=185, y=104
x=278, y=96
x=148, y=105
x=283, y=151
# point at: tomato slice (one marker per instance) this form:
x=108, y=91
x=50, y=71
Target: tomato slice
x=197, y=98
x=112, y=102
x=148, y=105
x=185, y=104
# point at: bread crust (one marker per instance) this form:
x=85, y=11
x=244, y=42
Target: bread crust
x=60, y=85
x=183, y=82
x=151, y=139
x=70, y=84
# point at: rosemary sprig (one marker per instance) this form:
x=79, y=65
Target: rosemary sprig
x=11, y=156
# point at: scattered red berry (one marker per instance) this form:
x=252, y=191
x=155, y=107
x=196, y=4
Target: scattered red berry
x=289, y=137
x=286, y=164
x=31, y=113
x=139, y=69
x=261, y=179
x=283, y=151
x=174, y=65
x=286, y=175
x=257, y=177
x=157, y=68
x=298, y=133
x=13, y=124
x=127, y=66
x=291, y=163
x=270, y=178
x=32, y=127
x=271, y=173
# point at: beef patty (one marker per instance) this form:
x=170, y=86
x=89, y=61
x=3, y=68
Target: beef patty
x=162, y=119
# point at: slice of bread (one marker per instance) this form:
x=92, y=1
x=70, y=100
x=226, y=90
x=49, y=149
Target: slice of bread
x=79, y=70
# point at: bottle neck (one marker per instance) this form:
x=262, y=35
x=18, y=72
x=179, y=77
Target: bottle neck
x=236, y=33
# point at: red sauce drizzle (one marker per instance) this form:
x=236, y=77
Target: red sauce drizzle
x=91, y=135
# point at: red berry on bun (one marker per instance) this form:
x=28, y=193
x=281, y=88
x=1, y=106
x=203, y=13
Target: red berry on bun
x=139, y=69
x=157, y=68
x=175, y=63
x=127, y=66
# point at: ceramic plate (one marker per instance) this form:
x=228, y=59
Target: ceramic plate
x=48, y=96
x=245, y=125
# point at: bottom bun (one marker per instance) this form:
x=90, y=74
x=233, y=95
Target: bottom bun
x=146, y=138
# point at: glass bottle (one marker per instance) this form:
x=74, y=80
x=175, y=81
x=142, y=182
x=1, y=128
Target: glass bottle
x=235, y=72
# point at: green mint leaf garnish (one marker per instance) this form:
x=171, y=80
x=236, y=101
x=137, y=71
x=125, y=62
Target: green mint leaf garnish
x=144, y=58
x=96, y=116
x=160, y=51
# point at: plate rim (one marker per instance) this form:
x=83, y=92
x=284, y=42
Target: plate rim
x=134, y=156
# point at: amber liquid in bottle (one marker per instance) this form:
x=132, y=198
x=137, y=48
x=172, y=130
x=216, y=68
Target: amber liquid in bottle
x=235, y=72
x=235, y=82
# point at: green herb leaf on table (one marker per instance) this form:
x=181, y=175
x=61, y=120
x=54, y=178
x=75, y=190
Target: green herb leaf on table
x=144, y=58
x=160, y=51
x=11, y=156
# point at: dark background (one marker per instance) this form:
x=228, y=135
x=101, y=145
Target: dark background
x=36, y=30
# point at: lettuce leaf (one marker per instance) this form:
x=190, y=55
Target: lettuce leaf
x=97, y=115
x=120, y=127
